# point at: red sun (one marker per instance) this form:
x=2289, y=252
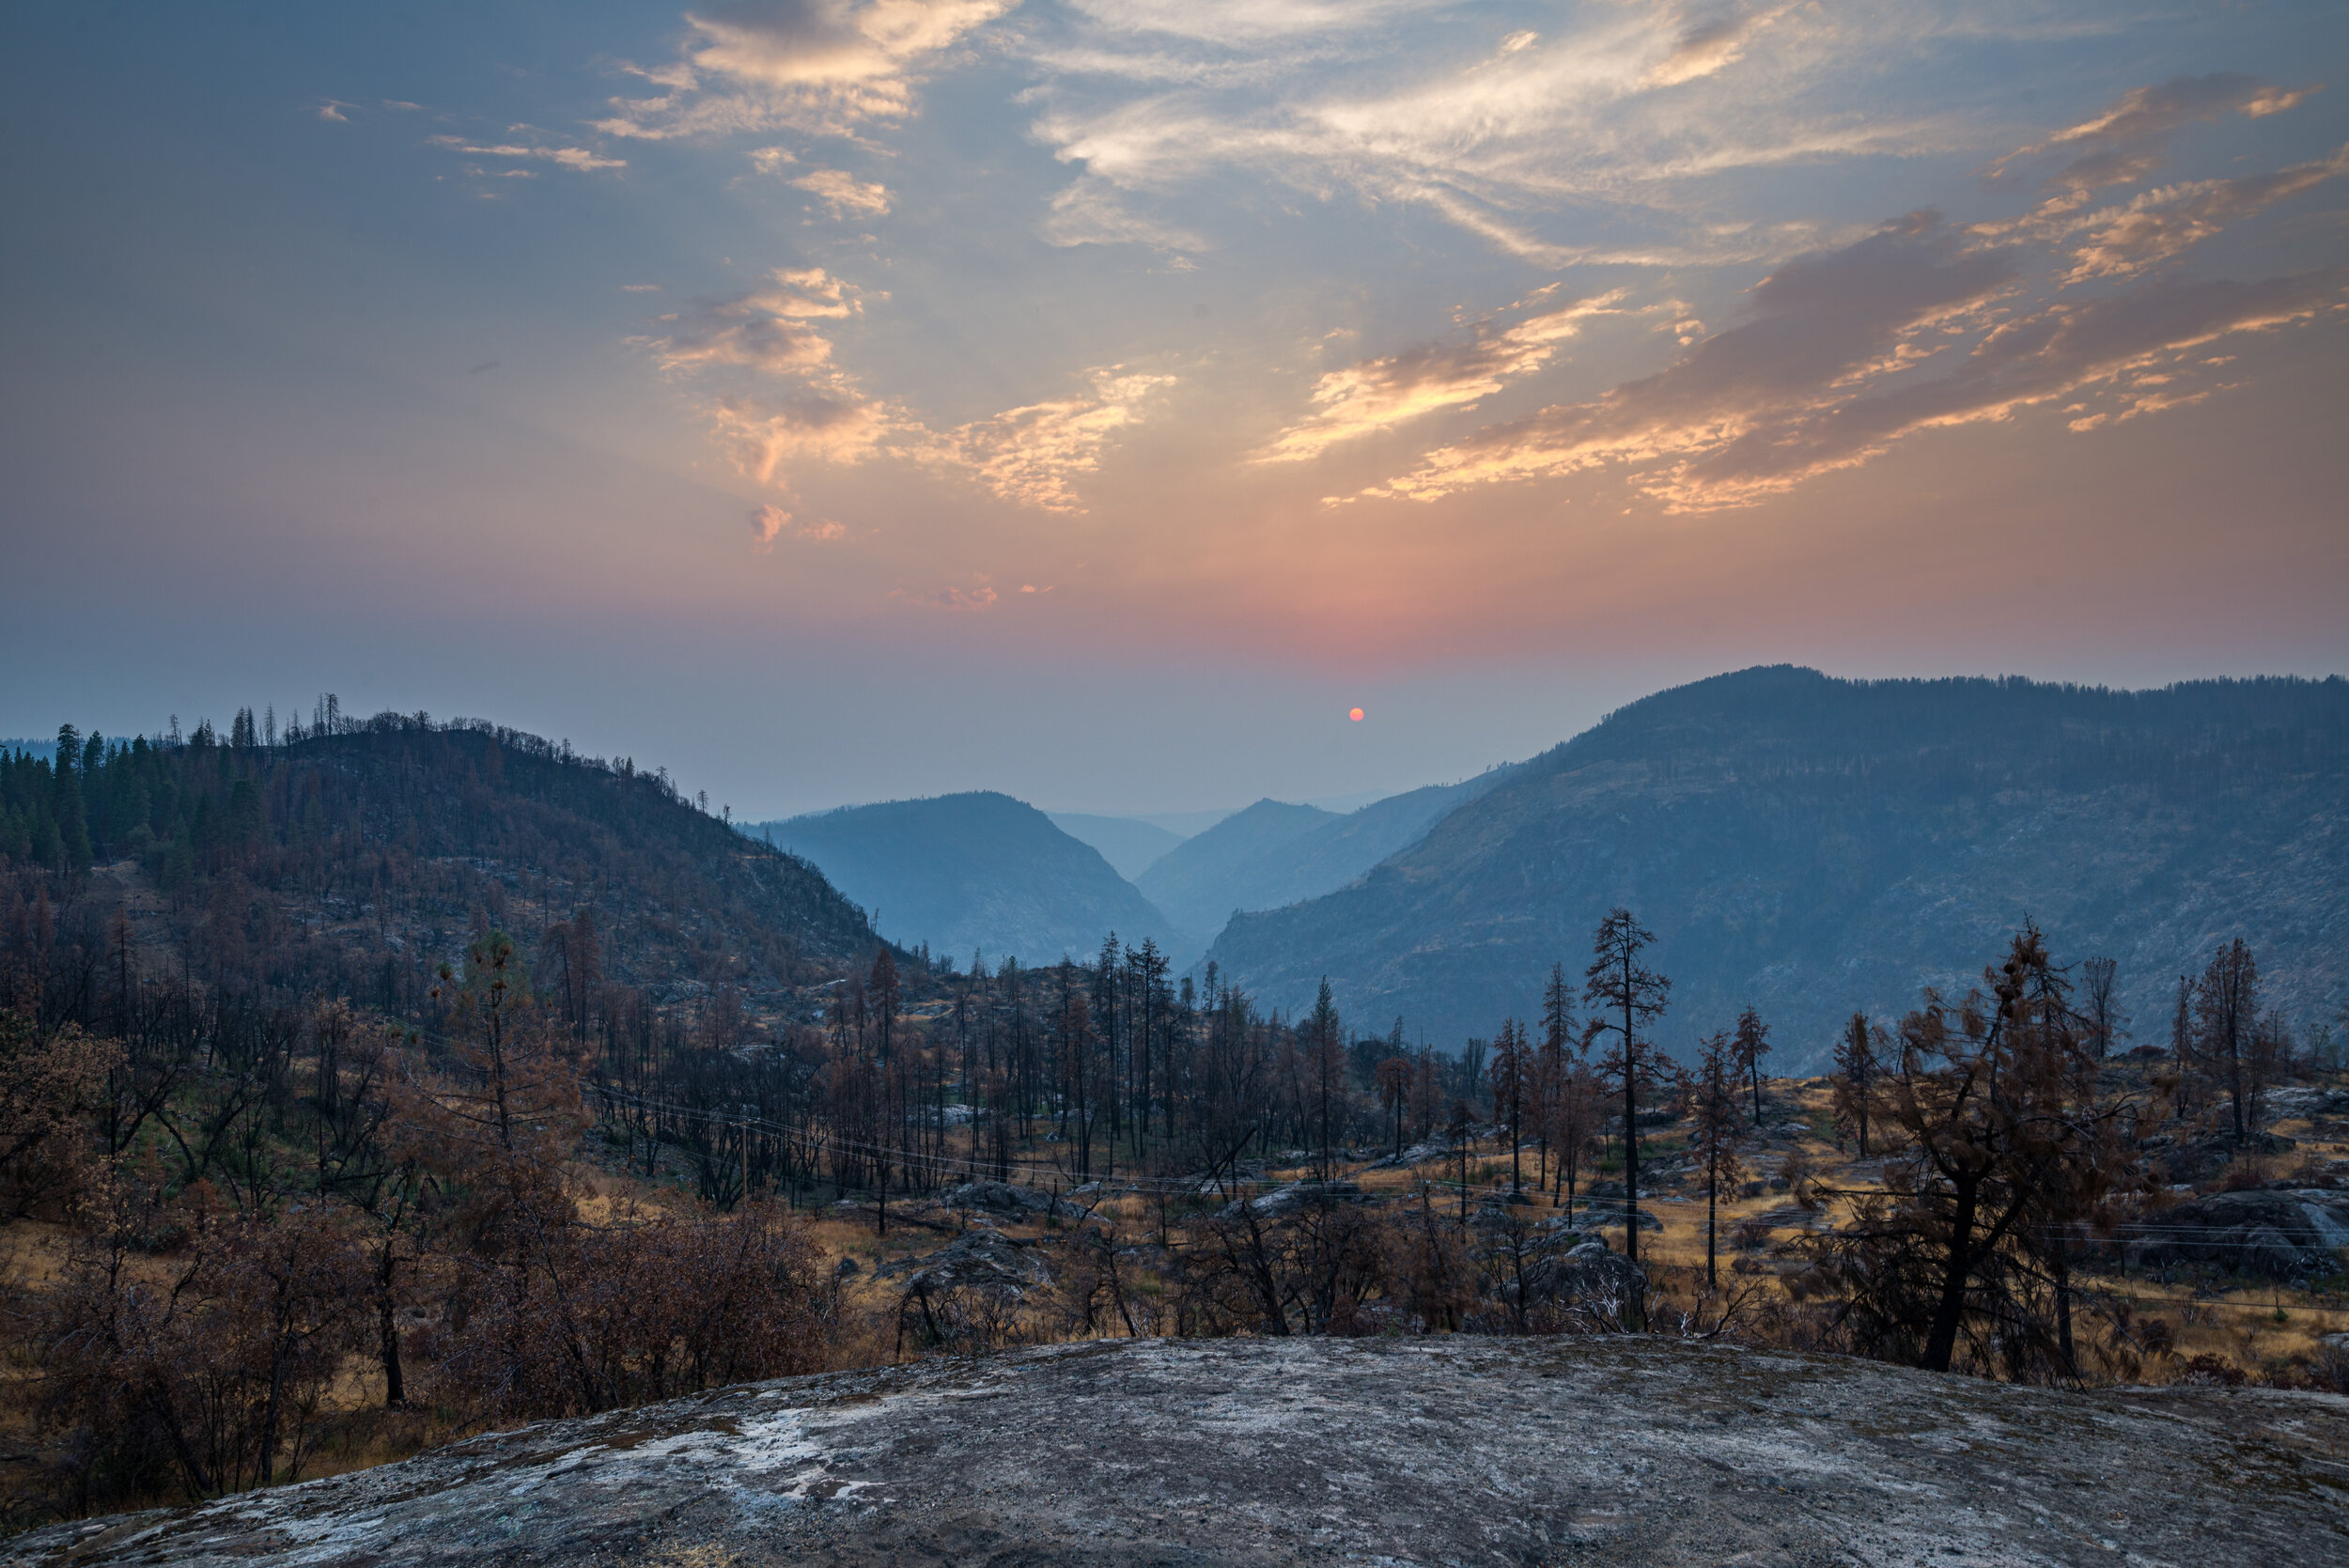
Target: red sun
x=1355, y=714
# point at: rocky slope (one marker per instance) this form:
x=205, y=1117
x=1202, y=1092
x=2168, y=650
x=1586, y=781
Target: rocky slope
x=1815, y=846
x=1599, y=1450
x=974, y=871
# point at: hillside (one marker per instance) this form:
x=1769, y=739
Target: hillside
x=1276, y=1450
x=357, y=861
x=1274, y=854
x=1815, y=845
x=979, y=871
x=1201, y=880
x=1130, y=845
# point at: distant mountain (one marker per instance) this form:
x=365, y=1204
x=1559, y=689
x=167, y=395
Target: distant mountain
x=1815, y=846
x=1274, y=854
x=1128, y=843
x=1201, y=881
x=976, y=871
x=45, y=751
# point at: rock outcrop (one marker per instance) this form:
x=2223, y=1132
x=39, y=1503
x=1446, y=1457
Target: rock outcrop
x=2279, y=1232
x=1600, y=1449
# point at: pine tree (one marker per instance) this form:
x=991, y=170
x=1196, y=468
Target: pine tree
x=1630, y=997
x=1714, y=1138
x=1753, y=1044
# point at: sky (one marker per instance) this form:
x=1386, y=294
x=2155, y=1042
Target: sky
x=836, y=401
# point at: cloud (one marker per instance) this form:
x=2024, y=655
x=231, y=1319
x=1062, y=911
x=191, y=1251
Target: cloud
x=979, y=597
x=576, y=158
x=1379, y=393
x=1091, y=212
x=1576, y=146
x=2130, y=138
x=1709, y=45
x=767, y=329
x=331, y=110
x=772, y=522
x=811, y=64
x=765, y=438
x=1237, y=23
x=2163, y=224
x=845, y=193
x=1031, y=455
x=1832, y=369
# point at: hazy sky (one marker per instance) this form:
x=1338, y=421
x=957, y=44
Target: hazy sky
x=1096, y=400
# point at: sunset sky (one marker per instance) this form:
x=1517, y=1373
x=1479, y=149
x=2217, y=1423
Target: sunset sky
x=1097, y=399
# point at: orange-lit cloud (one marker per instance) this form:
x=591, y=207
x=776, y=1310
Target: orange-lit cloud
x=2130, y=138
x=767, y=329
x=578, y=158
x=2167, y=222
x=1379, y=393
x=1816, y=381
x=823, y=66
x=1033, y=454
x=772, y=522
x=767, y=439
x=845, y=194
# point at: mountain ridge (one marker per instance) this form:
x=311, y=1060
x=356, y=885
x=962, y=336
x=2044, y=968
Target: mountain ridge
x=976, y=870
x=1814, y=845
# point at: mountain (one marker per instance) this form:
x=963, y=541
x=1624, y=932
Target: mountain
x=1274, y=854
x=1815, y=845
x=1128, y=843
x=1201, y=880
x=978, y=871
x=357, y=861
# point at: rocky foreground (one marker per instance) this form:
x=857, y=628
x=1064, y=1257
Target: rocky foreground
x=1452, y=1451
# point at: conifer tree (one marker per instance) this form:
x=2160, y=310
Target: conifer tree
x=1629, y=997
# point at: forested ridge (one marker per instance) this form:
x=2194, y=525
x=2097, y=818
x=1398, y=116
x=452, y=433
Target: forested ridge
x=354, y=855
x=1810, y=845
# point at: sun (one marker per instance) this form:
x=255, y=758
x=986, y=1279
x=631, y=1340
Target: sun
x=1355, y=714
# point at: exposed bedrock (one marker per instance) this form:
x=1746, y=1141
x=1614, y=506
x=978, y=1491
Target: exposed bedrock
x=1605, y=1450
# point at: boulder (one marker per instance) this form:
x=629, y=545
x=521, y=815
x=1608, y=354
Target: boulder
x=1007, y=1199
x=982, y=1259
x=1597, y=1212
x=1286, y=1200
x=2280, y=1233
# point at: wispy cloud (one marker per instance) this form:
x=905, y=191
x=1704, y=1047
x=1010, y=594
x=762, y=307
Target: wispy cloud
x=1709, y=45
x=767, y=329
x=1539, y=143
x=845, y=194
x=1033, y=454
x=810, y=65
x=1092, y=212
x=2129, y=139
x=977, y=596
x=1379, y=393
x=576, y=158
x=767, y=438
x=1836, y=364
x=2166, y=222
x=770, y=522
